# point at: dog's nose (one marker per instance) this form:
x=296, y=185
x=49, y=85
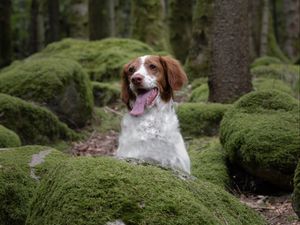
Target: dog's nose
x=137, y=79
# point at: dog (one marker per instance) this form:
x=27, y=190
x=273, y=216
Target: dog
x=150, y=131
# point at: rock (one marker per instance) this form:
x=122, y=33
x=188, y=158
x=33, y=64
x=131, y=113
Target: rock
x=8, y=138
x=199, y=94
x=59, y=84
x=198, y=119
x=296, y=193
x=103, y=60
x=105, y=93
x=261, y=134
x=208, y=161
x=33, y=124
x=16, y=182
x=85, y=191
x=263, y=84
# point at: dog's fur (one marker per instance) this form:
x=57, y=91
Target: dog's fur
x=152, y=134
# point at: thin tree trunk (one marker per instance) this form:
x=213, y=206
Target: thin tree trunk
x=264, y=28
x=5, y=33
x=53, y=15
x=230, y=76
x=112, y=18
x=33, y=27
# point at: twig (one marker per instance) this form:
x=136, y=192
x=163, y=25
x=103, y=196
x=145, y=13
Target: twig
x=113, y=111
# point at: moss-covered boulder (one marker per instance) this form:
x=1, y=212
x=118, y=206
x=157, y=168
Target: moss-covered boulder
x=86, y=191
x=8, y=138
x=296, y=194
x=102, y=60
x=262, y=84
x=261, y=134
x=198, y=119
x=286, y=72
x=59, y=84
x=105, y=93
x=208, y=161
x=265, y=60
x=20, y=170
x=199, y=94
x=33, y=124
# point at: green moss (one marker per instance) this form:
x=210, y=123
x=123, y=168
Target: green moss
x=199, y=94
x=265, y=61
x=16, y=183
x=198, y=82
x=102, y=60
x=105, y=93
x=8, y=138
x=59, y=84
x=261, y=134
x=286, y=72
x=32, y=123
x=105, y=120
x=100, y=190
x=296, y=193
x=199, y=119
x=208, y=161
x=261, y=84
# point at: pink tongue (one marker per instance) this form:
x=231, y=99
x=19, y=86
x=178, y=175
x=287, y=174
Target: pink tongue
x=140, y=103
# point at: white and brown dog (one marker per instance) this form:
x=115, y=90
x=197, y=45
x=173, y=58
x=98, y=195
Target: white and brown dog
x=150, y=130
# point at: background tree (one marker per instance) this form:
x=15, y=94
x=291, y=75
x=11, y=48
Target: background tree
x=230, y=77
x=198, y=63
x=147, y=23
x=180, y=24
x=5, y=32
x=52, y=33
x=100, y=18
x=77, y=18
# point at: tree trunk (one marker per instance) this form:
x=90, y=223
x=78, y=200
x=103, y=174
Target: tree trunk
x=122, y=18
x=180, y=23
x=52, y=34
x=291, y=10
x=99, y=19
x=5, y=33
x=147, y=23
x=33, y=27
x=230, y=76
x=198, y=63
x=78, y=19
x=264, y=28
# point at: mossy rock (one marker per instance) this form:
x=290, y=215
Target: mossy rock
x=59, y=84
x=33, y=124
x=286, y=72
x=8, y=138
x=265, y=61
x=90, y=191
x=105, y=93
x=105, y=120
x=199, y=94
x=20, y=170
x=198, y=119
x=102, y=60
x=262, y=84
x=198, y=82
x=261, y=134
x=208, y=161
x=296, y=193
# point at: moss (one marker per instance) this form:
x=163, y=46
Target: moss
x=105, y=93
x=102, y=60
x=286, y=72
x=265, y=61
x=33, y=124
x=199, y=94
x=296, y=193
x=16, y=183
x=59, y=84
x=99, y=190
x=261, y=134
x=8, y=138
x=197, y=119
x=261, y=84
x=208, y=161
x=105, y=120
x=198, y=82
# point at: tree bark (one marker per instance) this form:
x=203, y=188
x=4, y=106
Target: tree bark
x=230, y=76
x=198, y=63
x=33, y=27
x=264, y=28
x=180, y=23
x=5, y=33
x=52, y=34
x=99, y=19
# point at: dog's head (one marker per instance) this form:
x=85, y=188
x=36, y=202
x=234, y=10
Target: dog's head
x=147, y=77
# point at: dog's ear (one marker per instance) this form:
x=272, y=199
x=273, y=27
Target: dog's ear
x=126, y=93
x=176, y=77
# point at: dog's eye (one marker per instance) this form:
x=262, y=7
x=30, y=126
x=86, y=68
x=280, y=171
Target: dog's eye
x=131, y=69
x=152, y=66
